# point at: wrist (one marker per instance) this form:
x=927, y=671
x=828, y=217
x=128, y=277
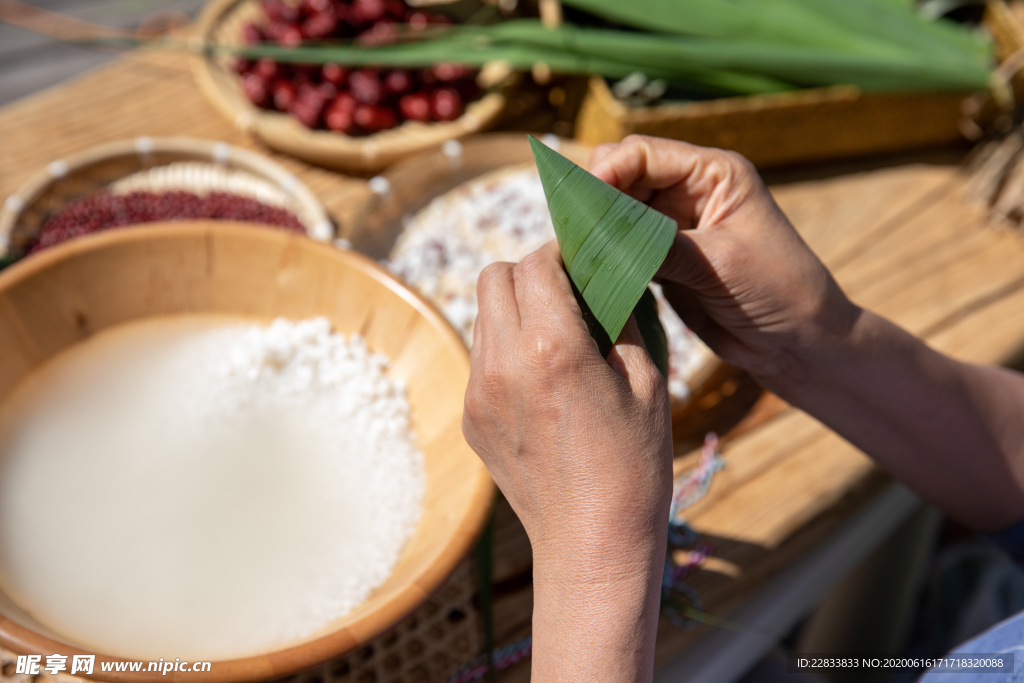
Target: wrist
x=602, y=607
x=833, y=340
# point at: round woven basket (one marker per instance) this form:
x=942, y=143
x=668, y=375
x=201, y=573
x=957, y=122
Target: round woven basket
x=410, y=186
x=155, y=164
x=221, y=22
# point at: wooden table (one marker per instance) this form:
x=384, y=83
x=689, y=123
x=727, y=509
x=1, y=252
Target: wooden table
x=899, y=234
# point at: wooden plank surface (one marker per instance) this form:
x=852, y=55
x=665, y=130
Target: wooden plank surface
x=30, y=61
x=900, y=236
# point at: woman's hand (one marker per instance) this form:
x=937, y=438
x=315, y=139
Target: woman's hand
x=738, y=274
x=742, y=279
x=581, y=447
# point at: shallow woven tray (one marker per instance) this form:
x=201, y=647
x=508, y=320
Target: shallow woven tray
x=426, y=647
x=779, y=129
x=221, y=22
x=410, y=186
x=155, y=164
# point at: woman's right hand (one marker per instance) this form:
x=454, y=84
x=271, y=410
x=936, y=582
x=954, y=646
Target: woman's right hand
x=738, y=274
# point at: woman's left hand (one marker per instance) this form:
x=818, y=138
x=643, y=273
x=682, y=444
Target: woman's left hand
x=581, y=447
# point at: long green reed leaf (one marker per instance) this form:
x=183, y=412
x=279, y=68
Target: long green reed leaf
x=714, y=65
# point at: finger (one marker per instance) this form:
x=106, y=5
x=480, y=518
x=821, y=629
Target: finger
x=643, y=165
x=543, y=292
x=630, y=359
x=640, y=158
x=498, y=315
x=599, y=153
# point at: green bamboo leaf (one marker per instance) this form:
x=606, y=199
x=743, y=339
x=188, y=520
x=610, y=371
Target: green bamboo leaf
x=608, y=233
x=705, y=64
x=612, y=246
x=627, y=270
x=651, y=329
x=576, y=200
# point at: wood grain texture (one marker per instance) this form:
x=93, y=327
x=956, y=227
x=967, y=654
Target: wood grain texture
x=52, y=300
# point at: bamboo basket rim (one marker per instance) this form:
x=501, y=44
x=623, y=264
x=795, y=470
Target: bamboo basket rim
x=463, y=532
x=494, y=151
x=195, y=149
x=282, y=132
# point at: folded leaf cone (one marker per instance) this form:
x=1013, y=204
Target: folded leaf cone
x=612, y=245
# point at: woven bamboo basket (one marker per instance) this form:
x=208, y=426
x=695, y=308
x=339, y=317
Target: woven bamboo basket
x=426, y=647
x=410, y=186
x=221, y=22
x=66, y=293
x=155, y=164
x=784, y=128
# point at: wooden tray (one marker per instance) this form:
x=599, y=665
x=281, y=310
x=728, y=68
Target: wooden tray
x=784, y=128
x=221, y=21
x=409, y=186
x=97, y=168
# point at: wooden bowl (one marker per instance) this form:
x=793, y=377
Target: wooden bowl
x=221, y=22
x=97, y=168
x=64, y=294
x=409, y=186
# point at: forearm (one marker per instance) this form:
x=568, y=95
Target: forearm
x=951, y=431
x=595, y=618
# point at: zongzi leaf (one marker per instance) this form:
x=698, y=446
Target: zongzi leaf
x=651, y=329
x=612, y=245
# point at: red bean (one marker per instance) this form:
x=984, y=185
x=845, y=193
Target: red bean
x=284, y=94
x=319, y=26
x=415, y=107
x=450, y=73
x=435, y=93
x=251, y=34
x=398, y=82
x=255, y=89
x=365, y=86
x=340, y=120
x=333, y=73
x=266, y=68
x=105, y=211
x=417, y=20
x=374, y=118
x=314, y=6
x=445, y=104
x=368, y=11
x=290, y=36
x=345, y=101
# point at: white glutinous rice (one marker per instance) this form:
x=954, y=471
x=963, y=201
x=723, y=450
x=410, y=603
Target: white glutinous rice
x=205, y=490
x=502, y=216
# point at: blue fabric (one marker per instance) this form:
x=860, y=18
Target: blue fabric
x=1011, y=540
x=1004, y=637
